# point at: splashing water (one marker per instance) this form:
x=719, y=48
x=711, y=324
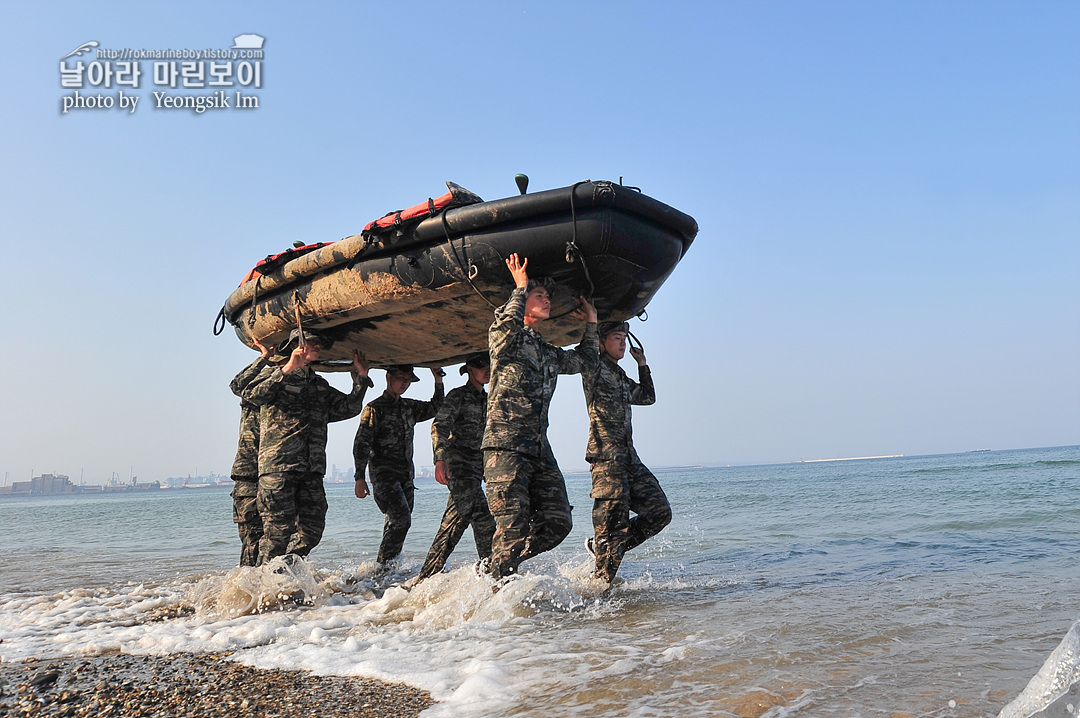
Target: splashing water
x=251, y=589
x=1060, y=672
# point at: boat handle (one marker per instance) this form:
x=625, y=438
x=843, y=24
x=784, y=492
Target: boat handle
x=219, y=322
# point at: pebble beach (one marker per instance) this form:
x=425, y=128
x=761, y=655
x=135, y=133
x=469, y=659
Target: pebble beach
x=188, y=685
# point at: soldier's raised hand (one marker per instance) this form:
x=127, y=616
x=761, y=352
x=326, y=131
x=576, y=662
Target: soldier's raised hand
x=585, y=310
x=638, y=355
x=359, y=365
x=297, y=360
x=517, y=270
x=264, y=351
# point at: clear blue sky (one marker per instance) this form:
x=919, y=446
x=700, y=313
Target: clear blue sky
x=888, y=196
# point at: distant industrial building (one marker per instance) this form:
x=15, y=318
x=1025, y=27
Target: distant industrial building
x=58, y=484
x=41, y=485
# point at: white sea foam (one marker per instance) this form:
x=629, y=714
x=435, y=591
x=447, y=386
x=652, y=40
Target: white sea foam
x=1060, y=671
x=452, y=635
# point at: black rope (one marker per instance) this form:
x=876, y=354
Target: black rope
x=461, y=265
x=219, y=323
x=254, y=300
x=368, y=241
x=572, y=248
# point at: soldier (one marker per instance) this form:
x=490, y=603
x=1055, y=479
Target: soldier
x=621, y=483
x=245, y=468
x=456, y=435
x=384, y=440
x=296, y=404
x=525, y=489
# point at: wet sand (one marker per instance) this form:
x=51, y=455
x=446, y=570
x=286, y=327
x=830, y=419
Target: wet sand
x=192, y=686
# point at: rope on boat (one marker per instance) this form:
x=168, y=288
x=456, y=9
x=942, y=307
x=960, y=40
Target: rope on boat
x=368, y=241
x=572, y=248
x=299, y=324
x=254, y=301
x=219, y=322
x=472, y=271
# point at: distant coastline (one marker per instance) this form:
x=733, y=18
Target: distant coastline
x=850, y=458
x=61, y=485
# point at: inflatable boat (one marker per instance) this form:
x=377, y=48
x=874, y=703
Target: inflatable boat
x=420, y=286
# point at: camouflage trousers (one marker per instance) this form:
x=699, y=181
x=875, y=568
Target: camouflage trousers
x=393, y=491
x=527, y=497
x=466, y=506
x=245, y=515
x=293, y=510
x=619, y=488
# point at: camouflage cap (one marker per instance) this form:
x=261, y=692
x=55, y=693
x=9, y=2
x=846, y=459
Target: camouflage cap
x=309, y=336
x=405, y=370
x=546, y=282
x=606, y=328
x=479, y=360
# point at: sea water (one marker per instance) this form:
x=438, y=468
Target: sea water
x=912, y=586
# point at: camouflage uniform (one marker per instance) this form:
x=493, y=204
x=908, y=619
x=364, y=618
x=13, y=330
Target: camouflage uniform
x=384, y=441
x=245, y=469
x=525, y=489
x=621, y=483
x=294, y=411
x=456, y=435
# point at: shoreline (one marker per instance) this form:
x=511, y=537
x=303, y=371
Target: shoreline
x=188, y=685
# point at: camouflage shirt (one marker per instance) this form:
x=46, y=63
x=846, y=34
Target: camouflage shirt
x=294, y=410
x=609, y=394
x=246, y=464
x=385, y=435
x=459, y=425
x=524, y=369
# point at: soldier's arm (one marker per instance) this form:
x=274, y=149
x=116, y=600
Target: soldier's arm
x=247, y=375
x=265, y=387
x=586, y=354
x=642, y=392
x=443, y=425
x=365, y=433
x=424, y=410
x=346, y=406
x=509, y=322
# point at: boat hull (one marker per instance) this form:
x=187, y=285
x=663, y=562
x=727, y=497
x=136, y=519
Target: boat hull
x=426, y=296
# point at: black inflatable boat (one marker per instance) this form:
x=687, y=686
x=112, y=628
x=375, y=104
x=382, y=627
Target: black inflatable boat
x=419, y=286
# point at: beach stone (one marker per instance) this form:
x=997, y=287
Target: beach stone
x=194, y=686
x=44, y=678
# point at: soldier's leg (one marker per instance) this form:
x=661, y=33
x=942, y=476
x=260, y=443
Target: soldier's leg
x=246, y=516
x=276, y=502
x=610, y=516
x=392, y=499
x=450, y=530
x=507, y=475
x=310, y=514
x=552, y=517
x=650, y=504
x=467, y=488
